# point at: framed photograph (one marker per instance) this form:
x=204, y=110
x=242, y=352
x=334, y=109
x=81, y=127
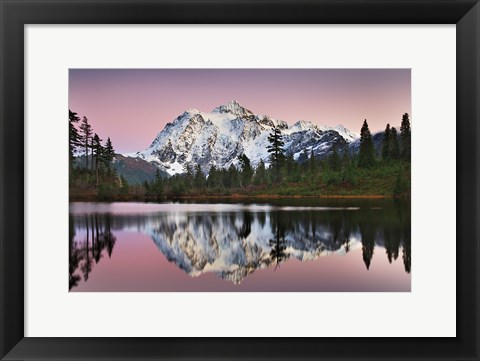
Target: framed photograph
x=239, y=180
x=234, y=200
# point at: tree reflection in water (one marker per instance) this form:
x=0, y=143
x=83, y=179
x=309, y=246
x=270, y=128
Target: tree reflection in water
x=277, y=254
x=96, y=236
x=236, y=243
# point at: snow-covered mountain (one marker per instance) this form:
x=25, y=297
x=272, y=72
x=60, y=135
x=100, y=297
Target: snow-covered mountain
x=219, y=137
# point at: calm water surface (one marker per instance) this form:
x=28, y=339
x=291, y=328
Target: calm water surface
x=286, y=245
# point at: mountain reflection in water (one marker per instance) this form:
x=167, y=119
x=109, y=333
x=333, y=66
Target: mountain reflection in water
x=232, y=241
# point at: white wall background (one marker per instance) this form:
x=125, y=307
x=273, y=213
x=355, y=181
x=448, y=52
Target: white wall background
x=428, y=50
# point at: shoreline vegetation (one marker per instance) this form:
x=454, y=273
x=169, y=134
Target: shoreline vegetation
x=239, y=197
x=371, y=173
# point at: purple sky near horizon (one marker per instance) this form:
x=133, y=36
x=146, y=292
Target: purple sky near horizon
x=132, y=105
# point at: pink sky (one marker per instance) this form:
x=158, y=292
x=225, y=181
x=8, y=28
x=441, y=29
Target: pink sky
x=132, y=105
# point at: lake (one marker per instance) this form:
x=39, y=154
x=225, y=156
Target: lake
x=287, y=245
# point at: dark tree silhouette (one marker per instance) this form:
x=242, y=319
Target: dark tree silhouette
x=366, y=156
x=86, y=130
x=156, y=187
x=97, y=244
x=232, y=177
x=199, y=178
x=110, y=238
x=246, y=227
x=246, y=171
x=386, y=148
x=367, y=232
x=108, y=154
x=97, y=154
x=74, y=257
x=334, y=160
x=260, y=176
x=394, y=148
x=407, y=254
x=87, y=265
x=74, y=139
x=262, y=218
x=277, y=153
x=277, y=253
x=82, y=253
x=214, y=178
x=405, y=138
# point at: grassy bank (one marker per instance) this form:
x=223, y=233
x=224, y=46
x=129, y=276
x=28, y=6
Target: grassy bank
x=383, y=181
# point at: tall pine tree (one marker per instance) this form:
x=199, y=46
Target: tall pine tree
x=277, y=154
x=334, y=160
x=260, y=176
x=97, y=154
x=405, y=138
x=213, y=180
x=247, y=170
x=108, y=154
x=386, y=148
x=232, y=177
x=291, y=168
x=157, y=185
x=366, y=156
x=74, y=139
x=199, y=177
x=394, y=147
x=86, y=130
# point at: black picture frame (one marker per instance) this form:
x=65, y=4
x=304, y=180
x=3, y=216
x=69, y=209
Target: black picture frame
x=15, y=14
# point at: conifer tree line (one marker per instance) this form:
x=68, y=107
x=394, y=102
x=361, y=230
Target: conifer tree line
x=94, y=168
x=392, y=146
x=84, y=138
x=342, y=169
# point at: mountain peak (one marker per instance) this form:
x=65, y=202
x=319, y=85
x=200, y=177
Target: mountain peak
x=233, y=107
x=230, y=130
x=303, y=125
